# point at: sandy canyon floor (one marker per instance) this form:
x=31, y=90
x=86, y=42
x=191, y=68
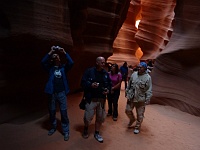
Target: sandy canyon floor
x=163, y=128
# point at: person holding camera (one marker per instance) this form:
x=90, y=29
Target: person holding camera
x=96, y=84
x=57, y=87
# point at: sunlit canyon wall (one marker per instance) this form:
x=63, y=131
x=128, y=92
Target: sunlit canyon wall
x=168, y=32
x=125, y=47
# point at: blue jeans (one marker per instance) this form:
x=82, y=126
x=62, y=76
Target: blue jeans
x=61, y=99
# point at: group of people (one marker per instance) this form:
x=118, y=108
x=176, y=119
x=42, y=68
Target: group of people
x=98, y=85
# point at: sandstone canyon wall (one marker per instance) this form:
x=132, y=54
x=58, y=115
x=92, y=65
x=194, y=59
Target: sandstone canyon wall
x=28, y=28
x=94, y=28
x=177, y=69
x=125, y=46
x=168, y=31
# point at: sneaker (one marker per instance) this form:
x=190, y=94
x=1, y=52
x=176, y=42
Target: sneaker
x=98, y=138
x=85, y=134
x=66, y=136
x=114, y=119
x=136, y=131
x=131, y=122
x=108, y=114
x=52, y=131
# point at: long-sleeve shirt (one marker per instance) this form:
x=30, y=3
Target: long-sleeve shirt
x=64, y=68
x=140, y=86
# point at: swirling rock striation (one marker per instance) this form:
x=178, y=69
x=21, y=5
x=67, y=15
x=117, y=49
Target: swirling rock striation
x=85, y=28
x=125, y=46
x=155, y=26
x=177, y=69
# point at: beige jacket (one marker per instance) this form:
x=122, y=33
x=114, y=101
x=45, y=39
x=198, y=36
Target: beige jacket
x=139, y=88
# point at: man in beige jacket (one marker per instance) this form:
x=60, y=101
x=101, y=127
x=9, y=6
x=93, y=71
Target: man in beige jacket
x=138, y=93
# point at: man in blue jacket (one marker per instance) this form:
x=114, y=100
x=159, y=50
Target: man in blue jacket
x=96, y=84
x=124, y=72
x=57, y=87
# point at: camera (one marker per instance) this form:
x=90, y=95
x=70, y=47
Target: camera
x=56, y=48
x=105, y=89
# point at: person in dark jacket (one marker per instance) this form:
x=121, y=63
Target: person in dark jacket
x=96, y=85
x=57, y=87
x=124, y=72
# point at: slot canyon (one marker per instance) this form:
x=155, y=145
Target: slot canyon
x=168, y=32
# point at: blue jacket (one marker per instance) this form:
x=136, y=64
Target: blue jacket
x=87, y=80
x=50, y=69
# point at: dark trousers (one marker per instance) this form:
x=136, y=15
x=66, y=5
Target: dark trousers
x=113, y=103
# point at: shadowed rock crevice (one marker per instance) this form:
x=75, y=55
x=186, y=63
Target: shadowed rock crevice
x=185, y=107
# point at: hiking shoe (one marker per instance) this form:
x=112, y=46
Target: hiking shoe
x=136, y=131
x=131, y=122
x=66, y=136
x=52, y=131
x=85, y=134
x=98, y=138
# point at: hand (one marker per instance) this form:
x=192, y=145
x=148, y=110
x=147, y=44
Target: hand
x=62, y=50
x=112, y=91
x=147, y=102
x=95, y=85
x=106, y=91
x=52, y=50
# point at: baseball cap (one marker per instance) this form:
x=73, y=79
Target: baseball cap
x=143, y=64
